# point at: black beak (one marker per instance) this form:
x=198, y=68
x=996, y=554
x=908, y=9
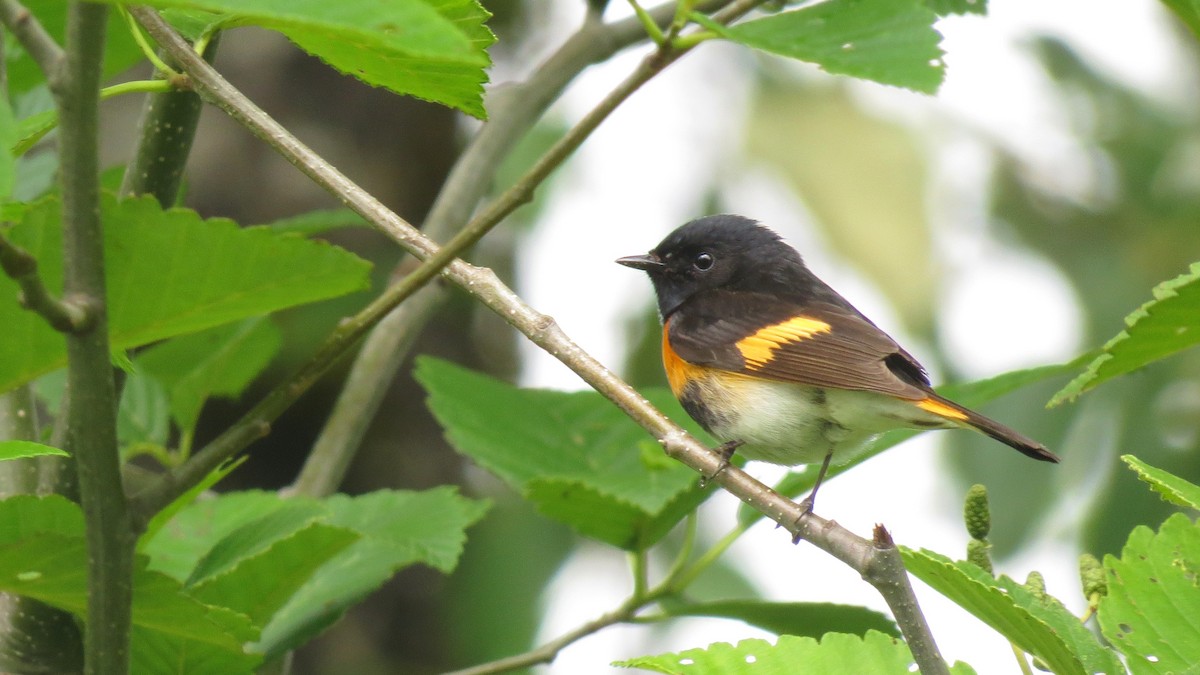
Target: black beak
x=646, y=263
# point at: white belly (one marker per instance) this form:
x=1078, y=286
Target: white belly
x=794, y=424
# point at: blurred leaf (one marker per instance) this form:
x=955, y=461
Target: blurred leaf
x=809, y=619
x=51, y=567
x=1149, y=612
x=971, y=394
x=561, y=450
x=431, y=49
x=1170, y=487
x=282, y=521
x=20, y=449
x=317, y=222
x=220, y=361
x=947, y=7
x=1167, y=324
x=186, y=499
x=1188, y=11
x=120, y=51
x=144, y=415
x=35, y=177
x=888, y=41
x=1040, y=626
x=23, y=515
x=8, y=138
x=874, y=653
x=169, y=273
x=397, y=529
x=30, y=130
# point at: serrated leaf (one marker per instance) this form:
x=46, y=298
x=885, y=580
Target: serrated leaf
x=169, y=273
x=1170, y=487
x=970, y=394
x=808, y=619
x=144, y=414
x=543, y=442
x=220, y=361
x=397, y=529
x=281, y=521
x=260, y=584
x=22, y=449
x=1150, y=612
x=1188, y=11
x=1042, y=627
x=887, y=41
x=1167, y=324
x=432, y=49
x=874, y=653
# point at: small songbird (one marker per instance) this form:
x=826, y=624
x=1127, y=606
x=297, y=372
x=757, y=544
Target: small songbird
x=771, y=360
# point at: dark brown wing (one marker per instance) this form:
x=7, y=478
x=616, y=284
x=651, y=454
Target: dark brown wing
x=819, y=344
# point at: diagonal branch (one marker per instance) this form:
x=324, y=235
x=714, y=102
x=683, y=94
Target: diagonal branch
x=485, y=286
x=39, y=44
x=62, y=315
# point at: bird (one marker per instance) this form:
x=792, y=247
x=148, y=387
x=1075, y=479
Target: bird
x=772, y=361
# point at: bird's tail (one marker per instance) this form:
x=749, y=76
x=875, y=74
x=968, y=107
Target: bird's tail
x=961, y=416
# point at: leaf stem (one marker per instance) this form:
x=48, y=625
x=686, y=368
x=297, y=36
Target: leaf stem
x=148, y=50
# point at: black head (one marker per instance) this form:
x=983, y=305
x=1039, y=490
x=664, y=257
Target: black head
x=724, y=252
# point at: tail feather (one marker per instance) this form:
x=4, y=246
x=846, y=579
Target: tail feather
x=962, y=416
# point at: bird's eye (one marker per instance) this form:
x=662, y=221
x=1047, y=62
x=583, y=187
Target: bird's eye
x=703, y=262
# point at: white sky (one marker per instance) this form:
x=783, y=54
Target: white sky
x=628, y=187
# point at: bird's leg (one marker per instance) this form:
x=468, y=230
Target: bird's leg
x=811, y=499
x=725, y=450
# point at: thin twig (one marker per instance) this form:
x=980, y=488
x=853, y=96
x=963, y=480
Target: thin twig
x=18, y=264
x=542, y=330
x=91, y=422
x=39, y=44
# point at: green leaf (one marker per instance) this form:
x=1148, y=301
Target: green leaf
x=1150, y=612
x=971, y=394
x=1040, y=626
x=1188, y=11
x=252, y=539
x=169, y=273
x=431, y=49
x=888, y=41
x=1170, y=487
x=51, y=567
x=397, y=529
x=144, y=413
x=8, y=138
x=21, y=449
x=259, y=585
x=317, y=222
x=809, y=619
x=874, y=653
x=221, y=361
x=1167, y=324
x=562, y=451
x=24, y=515
x=948, y=7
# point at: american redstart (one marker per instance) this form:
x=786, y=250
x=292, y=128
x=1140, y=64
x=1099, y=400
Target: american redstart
x=771, y=360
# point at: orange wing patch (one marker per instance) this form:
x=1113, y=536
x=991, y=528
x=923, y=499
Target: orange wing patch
x=758, y=349
x=938, y=408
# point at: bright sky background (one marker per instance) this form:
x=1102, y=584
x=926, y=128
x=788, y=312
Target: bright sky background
x=628, y=188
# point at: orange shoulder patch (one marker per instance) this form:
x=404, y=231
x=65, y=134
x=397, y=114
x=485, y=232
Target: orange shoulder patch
x=678, y=370
x=758, y=349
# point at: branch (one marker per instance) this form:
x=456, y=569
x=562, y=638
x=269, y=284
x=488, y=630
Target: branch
x=21, y=267
x=513, y=109
x=485, y=286
x=91, y=410
x=33, y=37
